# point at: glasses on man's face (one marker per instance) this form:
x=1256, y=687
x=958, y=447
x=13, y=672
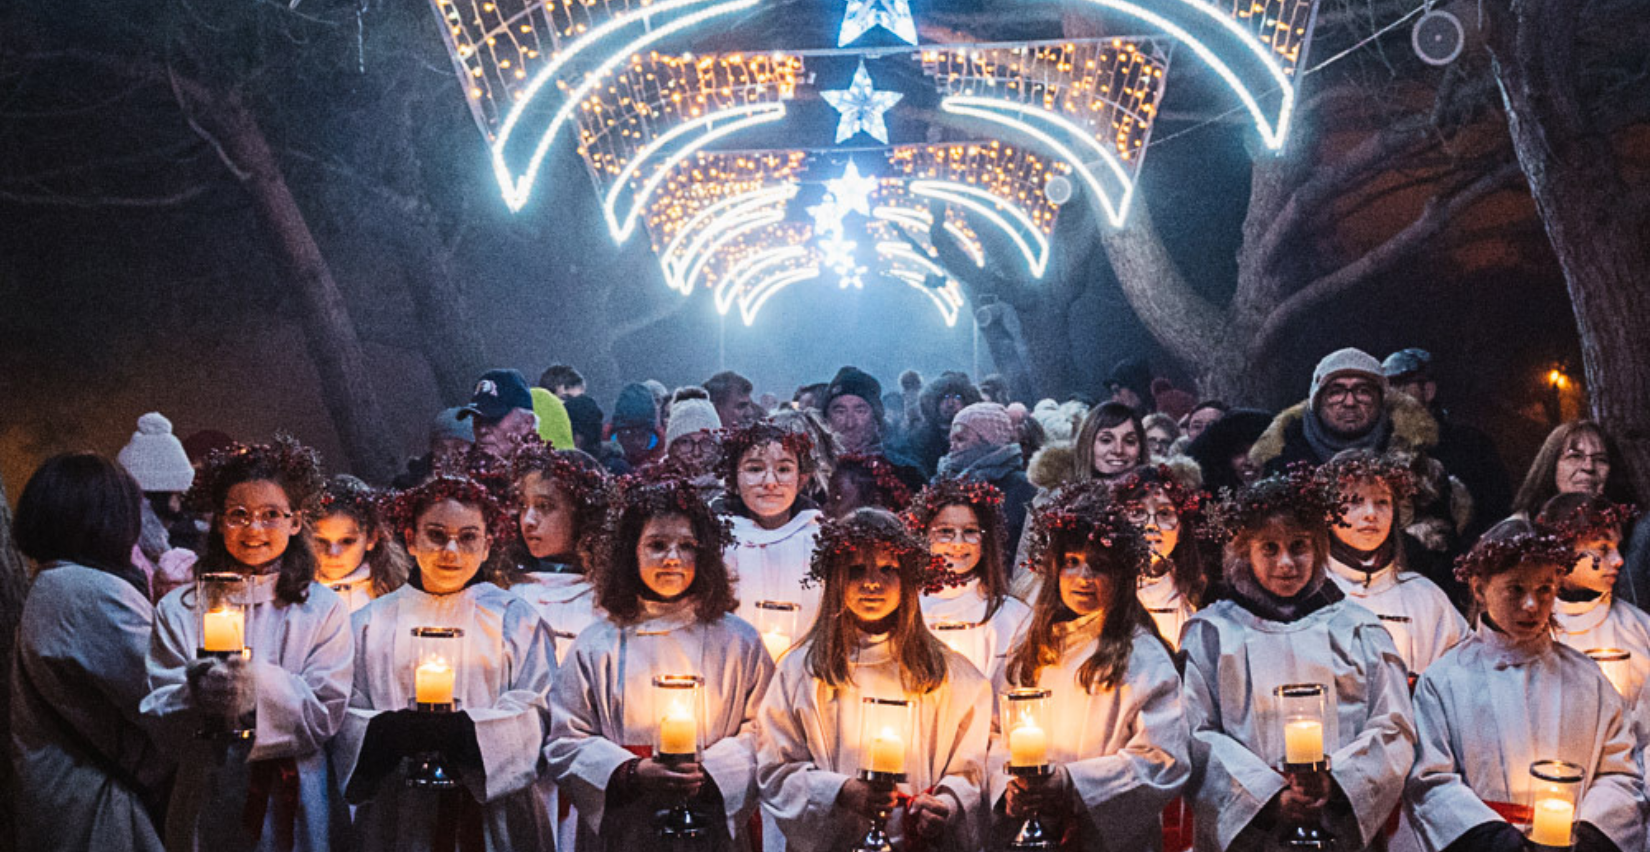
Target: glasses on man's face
x=952, y=535
x=1339, y=394
x=1166, y=518
x=468, y=541
x=241, y=517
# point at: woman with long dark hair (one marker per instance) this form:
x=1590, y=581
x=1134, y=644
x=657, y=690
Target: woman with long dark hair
x=870, y=642
x=1118, y=736
x=973, y=612
x=88, y=774
x=289, y=687
x=666, y=593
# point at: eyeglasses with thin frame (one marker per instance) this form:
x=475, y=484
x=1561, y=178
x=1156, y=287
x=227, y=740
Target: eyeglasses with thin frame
x=468, y=541
x=241, y=517
x=1166, y=518
x=952, y=535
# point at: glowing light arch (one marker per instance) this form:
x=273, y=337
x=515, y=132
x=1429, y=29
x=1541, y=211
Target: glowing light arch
x=1021, y=230
x=676, y=258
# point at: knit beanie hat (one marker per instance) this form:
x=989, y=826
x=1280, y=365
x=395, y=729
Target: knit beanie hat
x=1172, y=400
x=635, y=407
x=448, y=425
x=585, y=415
x=989, y=420
x=155, y=457
x=689, y=416
x=1342, y=362
x=852, y=381
x=554, y=427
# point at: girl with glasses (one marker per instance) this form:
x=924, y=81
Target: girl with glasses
x=497, y=686
x=290, y=686
x=1162, y=503
x=972, y=613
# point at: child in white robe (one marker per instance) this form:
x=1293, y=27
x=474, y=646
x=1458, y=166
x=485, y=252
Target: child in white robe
x=1508, y=696
x=666, y=593
x=563, y=504
x=764, y=467
x=1163, y=502
x=356, y=557
x=973, y=614
x=502, y=668
x=1117, y=732
x=870, y=642
x=1285, y=623
x=1365, y=558
x=273, y=791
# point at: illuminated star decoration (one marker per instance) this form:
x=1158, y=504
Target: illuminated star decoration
x=861, y=107
x=863, y=15
x=851, y=191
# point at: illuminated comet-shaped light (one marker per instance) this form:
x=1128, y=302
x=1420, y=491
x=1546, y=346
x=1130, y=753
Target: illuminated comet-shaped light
x=1017, y=225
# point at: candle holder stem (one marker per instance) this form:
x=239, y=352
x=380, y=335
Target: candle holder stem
x=1306, y=836
x=876, y=837
x=1032, y=835
x=226, y=728
x=679, y=826
x=428, y=769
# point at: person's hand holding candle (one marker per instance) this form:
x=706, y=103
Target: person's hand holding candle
x=669, y=780
x=1305, y=797
x=222, y=687
x=928, y=814
x=866, y=799
x=1045, y=795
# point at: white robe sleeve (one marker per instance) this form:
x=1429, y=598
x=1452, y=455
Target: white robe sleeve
x=797, y=792
x=1441, y=805
x=345, y=748
x=1230, y=784
x=511, y=732
x=171, y=650
x=1370, y=769
x=964, y=728
x=581, y=759
x=299, y=711
x=731, y=761
x=1614, y=802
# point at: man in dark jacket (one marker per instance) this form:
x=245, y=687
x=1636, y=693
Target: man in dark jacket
x=983, y=447
x=941, y=400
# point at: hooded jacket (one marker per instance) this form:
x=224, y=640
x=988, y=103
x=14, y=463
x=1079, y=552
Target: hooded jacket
x=932, y=439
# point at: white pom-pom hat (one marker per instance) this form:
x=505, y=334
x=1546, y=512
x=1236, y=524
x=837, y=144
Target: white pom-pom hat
x=155, y=457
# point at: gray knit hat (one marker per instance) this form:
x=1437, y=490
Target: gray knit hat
x=1344, y=361
x=688, y=416
x=155, y=457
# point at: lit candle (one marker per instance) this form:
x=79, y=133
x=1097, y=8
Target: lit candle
x=1027, y=746
x=888, y=752
x=677, y=732
x=224, y=630
x=1551, y=826
x=1303, y=741
x=433, y=682
x=776, y=642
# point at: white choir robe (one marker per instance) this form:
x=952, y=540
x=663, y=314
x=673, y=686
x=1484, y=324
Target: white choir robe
x=1126, y=749
x=956, y=616
x=1168, y=608
x=603, y=702
x=1490, y=708
x=502, y=681
x=566, y=602
x=1422, y=621
x=768, y=565
x=1608, y=623
x=302, y=660
x=355, y=587
x=1234, y=661
x=810, y=746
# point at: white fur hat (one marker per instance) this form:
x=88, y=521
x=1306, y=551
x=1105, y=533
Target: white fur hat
x=155, y=457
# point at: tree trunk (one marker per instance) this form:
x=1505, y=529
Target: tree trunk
x=14, y=587
x=999, y=327
x=453, y=342
x=1597, y=231
x=334, y=344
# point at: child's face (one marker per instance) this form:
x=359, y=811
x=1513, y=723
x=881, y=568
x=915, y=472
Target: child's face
x=1283, y=554
x=546, y=517
x=667, y=555
x=1084, y=589
x=257, y=522
x=1158, y=520
x=1370, y=515
x=954, y=535
x=1520, y=601
x=874, y=589
x=450, y=543
x=339, y=544
x=1598, y=563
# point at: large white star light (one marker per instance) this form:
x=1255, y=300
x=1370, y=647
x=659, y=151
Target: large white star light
x=861, y=107
x=863, y=15
x=852, y=190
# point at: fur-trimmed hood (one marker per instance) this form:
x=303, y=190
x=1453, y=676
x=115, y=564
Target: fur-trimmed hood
x=1414, y=430
x=1056, y=464
x=948, y=382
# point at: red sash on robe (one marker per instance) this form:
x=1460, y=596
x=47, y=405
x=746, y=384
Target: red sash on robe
x=276, y=780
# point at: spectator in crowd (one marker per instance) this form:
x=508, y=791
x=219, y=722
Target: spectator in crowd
x=983, y=448
x=731, y=394
x=501, y=407
x=693, y=445
x=562, y=380
x=1202, y=416
x=635, y=427
x=1130, y=383
x=1466, y=452
x=941, y=400
x=1161, y=435
x=450, y=438
x=158, y=463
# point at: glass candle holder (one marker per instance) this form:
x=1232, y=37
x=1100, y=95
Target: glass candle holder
x=1555, y=789
x=676, y=699
x=1615, y=663
x=438, y=656
x=777, y=622
x=885, y=726
x=220, y=601
x=951, y=633
x=1026, y=726
x=1302, y=708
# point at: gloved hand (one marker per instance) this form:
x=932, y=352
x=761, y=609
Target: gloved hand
x=1589, y=839
x=1493, y=836
x=222, y=687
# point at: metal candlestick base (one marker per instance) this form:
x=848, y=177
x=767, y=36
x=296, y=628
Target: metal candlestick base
x=221, y=728
x=876, y=837
x=678, y=826
x=428, y=769
x=1306, y=838
x=1032, y=836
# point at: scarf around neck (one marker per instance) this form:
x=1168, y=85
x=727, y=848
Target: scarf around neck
x=984, y=462
x=1325, y=444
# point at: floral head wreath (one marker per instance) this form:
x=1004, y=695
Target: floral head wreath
x=401, y=508
x=583, y=484
x=347, y=495
x=295, y=466
x=841, y=537
x=896, y=495
x=1297, y=493
x=1085, y=508
x=736, y=442
x=951, y=491
x=1493, y=556
x=1132, y=490
x=1593, y=516
x=648, y=496
x=1344, y=474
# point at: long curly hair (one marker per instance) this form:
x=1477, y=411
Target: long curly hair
x=1190, y=576
x=1082, y=519
x=618, y=578
x=285, y=462
x=737, y=442
x=401, y=510
x=842, y=544
x=582, y=481
x=387, y=561
x=986, y=502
